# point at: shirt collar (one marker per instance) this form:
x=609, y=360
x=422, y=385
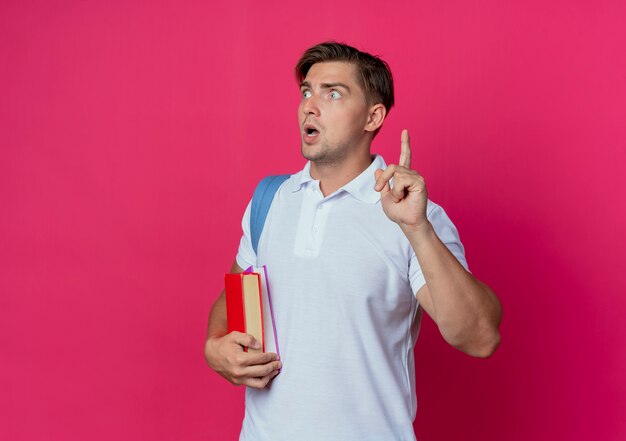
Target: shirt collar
x=361, y=187
x=305, y=176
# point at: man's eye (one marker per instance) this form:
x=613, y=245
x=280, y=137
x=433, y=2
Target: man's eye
x=306, y=94
x=335, y=95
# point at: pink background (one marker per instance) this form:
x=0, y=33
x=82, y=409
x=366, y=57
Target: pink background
x=132, y=134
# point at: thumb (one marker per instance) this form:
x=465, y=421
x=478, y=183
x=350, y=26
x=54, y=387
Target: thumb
x=245, y=340
x=386, y=188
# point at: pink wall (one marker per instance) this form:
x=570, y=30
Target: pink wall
x=132, y=134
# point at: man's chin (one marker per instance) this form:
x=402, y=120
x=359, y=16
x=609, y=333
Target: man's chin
x=311, y=152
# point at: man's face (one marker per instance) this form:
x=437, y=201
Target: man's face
x=333, y=112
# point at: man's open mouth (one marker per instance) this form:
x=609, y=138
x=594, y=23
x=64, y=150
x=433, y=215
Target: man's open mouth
x=310, y=130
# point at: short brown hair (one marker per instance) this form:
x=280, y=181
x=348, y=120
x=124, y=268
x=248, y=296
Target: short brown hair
x=374, y=74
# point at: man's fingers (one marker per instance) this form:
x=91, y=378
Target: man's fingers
x=251, y=358
x=262, y=370
x=256, y=376
x=262, y=358
x=405, y=150
x=260, y=383
x=403, y=180
x=399, y=187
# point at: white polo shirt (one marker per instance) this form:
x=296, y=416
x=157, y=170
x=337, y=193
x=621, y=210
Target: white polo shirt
x=343, y=280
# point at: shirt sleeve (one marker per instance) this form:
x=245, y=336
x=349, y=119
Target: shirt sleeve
x=246, y=256
x=447, y=233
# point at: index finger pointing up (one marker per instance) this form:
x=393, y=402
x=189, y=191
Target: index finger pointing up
x=405, y=150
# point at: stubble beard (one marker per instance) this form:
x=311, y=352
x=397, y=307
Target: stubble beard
x=325, y=154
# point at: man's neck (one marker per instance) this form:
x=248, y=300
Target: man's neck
x=333, y=176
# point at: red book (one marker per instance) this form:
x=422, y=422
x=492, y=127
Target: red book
x=244, y=309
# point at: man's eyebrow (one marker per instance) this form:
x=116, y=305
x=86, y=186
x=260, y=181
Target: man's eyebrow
x=334, y=85
x=325, y=85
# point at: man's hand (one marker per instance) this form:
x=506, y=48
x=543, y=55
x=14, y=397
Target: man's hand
x=227, y=357
x=405, y=202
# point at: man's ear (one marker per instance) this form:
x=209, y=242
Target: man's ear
x=376, y=117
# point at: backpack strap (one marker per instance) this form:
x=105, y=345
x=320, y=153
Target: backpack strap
x=261, y=203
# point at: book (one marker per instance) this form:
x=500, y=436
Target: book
x=244, y=306
x=249, y=307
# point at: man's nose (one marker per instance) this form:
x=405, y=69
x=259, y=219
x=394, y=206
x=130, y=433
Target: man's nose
x=310, y=106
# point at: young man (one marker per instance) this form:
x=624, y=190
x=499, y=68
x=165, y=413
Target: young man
x=355, y=252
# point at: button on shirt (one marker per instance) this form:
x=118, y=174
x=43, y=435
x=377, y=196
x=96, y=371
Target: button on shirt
x=343, y=279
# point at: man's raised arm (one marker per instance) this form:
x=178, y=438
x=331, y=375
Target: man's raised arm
x=466, y=310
